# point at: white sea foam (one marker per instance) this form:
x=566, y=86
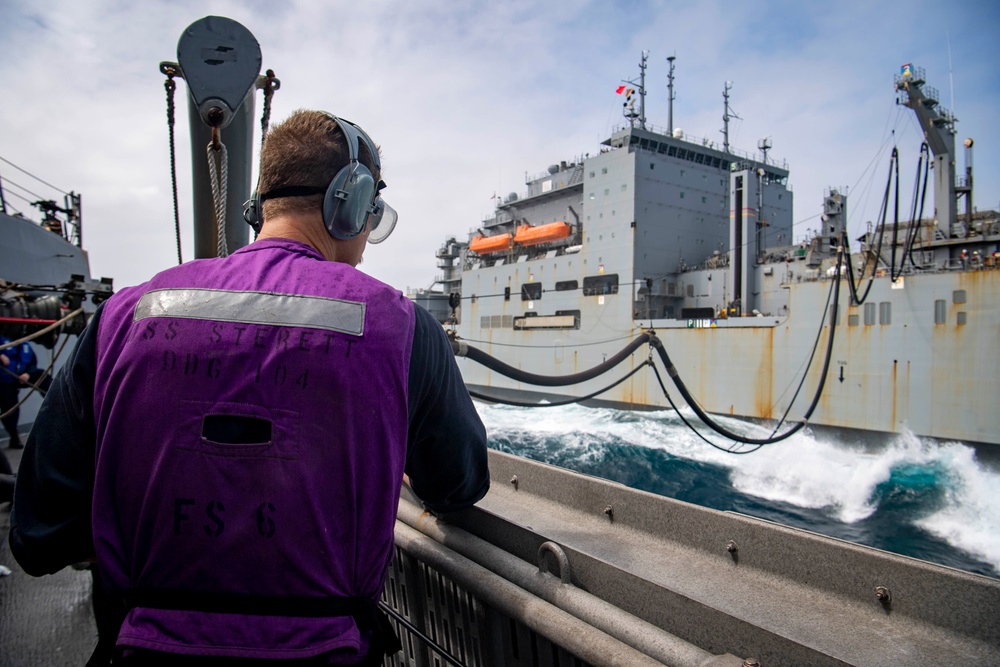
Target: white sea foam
x=970, y=518
x=840, y=479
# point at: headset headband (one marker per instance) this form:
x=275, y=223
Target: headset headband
x=352, y=200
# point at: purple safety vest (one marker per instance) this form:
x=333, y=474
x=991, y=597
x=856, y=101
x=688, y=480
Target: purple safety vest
x=251, y=417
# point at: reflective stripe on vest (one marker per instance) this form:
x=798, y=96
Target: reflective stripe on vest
x=288, y=310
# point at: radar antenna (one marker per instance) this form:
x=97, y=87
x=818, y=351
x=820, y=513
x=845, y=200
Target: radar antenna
x=764, y=145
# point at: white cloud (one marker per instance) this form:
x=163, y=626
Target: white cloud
x=465, y=98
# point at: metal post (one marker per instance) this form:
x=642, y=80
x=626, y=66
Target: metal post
x=238, y=138
x=642, y=90
x=670, y=88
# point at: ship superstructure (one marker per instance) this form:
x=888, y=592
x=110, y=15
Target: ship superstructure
x=664, y=232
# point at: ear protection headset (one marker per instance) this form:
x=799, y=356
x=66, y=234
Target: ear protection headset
x=350, y=200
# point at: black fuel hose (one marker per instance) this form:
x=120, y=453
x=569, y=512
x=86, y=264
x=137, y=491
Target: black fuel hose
x=568, y=401
x=462, y=349
x=718, y=428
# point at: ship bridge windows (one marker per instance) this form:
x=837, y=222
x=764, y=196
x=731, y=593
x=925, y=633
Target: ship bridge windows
x=601, y=284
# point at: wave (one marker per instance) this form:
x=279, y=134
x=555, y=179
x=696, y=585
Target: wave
x=928, y=500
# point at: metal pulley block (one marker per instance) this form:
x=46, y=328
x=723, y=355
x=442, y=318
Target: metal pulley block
x=220, y=60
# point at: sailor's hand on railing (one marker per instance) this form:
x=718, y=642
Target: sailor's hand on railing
x=4, y=360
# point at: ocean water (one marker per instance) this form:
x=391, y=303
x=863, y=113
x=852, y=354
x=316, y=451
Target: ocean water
x=933, y=501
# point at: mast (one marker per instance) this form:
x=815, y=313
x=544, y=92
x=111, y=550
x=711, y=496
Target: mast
x=629, y=104
x=671, y=97
x=938, y=125
x=727, y=115
x=642, y=90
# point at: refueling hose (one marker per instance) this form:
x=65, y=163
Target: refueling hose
x=462, y=349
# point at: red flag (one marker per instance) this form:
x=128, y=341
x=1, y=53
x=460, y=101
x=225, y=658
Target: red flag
x=620, y=90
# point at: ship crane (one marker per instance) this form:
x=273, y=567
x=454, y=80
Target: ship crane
x=938, y=125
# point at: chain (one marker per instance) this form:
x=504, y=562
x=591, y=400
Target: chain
x=219, y=172
x=170, y=86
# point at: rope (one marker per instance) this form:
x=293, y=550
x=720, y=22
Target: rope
x=170, y=86
x=431, y=644
x=41, y=332
x=265, y=117
x=36, y=385
x=219, y=172
x=61, y=191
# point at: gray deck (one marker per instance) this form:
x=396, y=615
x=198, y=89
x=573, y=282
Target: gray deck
x=43, y=621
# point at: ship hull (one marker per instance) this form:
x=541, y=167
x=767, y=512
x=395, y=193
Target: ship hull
x=916, y=358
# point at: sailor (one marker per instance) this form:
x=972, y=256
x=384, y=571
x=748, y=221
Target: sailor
x=241, y=428
x=18, y=369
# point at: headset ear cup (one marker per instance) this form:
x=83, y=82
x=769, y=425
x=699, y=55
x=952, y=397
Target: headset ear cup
x=348, y=201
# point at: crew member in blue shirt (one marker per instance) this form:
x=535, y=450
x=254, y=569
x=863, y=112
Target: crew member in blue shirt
x=18, y=369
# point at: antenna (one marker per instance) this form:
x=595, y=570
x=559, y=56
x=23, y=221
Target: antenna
x=672, y=97
x=642, y=90
x=629, y=104
x=764, y=145
x=727, y=115
x=951, y=77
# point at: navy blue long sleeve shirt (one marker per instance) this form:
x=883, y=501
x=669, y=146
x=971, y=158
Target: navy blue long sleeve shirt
x=51, y=517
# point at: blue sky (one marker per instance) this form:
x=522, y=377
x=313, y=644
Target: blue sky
x=467, y=97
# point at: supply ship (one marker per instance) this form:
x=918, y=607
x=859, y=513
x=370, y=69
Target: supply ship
x=555, y=568
x=692, y=240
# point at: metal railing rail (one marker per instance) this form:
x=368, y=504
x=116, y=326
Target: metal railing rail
x=601, y=617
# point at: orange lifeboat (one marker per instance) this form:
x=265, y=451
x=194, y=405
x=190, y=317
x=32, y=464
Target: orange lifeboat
x=528, y=235
x=484, y=245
